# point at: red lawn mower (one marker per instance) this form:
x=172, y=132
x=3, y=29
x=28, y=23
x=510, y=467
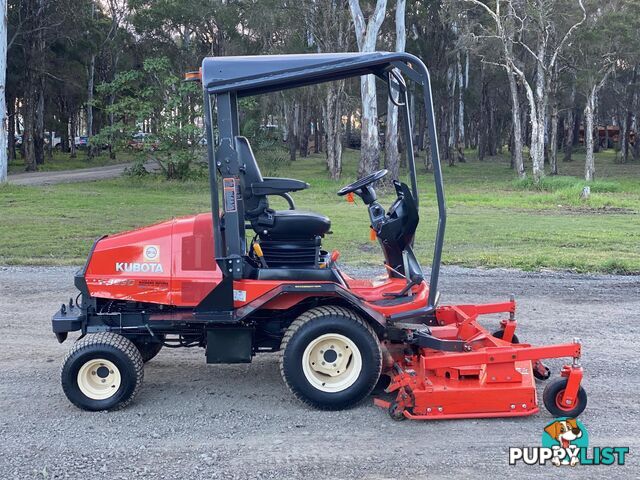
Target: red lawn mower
x=246, y=279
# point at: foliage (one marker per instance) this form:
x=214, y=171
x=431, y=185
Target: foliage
x=154, y=92
x=274, y=162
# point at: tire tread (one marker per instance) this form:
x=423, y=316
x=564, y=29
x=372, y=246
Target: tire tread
x=109, y=339
x=301, y=321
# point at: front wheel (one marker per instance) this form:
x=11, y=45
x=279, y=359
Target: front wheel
x=103, y=371
x=331, y=358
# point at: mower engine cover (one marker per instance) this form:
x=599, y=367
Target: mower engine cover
x=170, y=263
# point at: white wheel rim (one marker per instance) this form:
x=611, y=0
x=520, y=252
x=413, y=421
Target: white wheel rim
x=332, y=363
x=99, y=379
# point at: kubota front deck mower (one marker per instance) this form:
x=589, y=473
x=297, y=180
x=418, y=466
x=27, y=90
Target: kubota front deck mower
x=247, y=278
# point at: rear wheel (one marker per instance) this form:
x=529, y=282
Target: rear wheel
x=330, y=358
x=103, y=371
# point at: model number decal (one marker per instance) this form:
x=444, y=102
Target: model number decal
x=239, y=295
x=230, y=199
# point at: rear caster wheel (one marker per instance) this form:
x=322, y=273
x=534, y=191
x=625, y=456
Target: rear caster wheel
x=541, y=371
x=330, y=358
x=500, y=333
x=552, y=398
x=103, y=371
x=396, y=412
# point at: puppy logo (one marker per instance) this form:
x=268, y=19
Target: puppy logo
x=565, y=437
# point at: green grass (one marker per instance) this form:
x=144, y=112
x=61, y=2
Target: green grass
x=494, y=220
x=62, y=161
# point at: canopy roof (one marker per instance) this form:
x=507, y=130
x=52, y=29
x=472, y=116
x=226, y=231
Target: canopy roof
x=253, y=75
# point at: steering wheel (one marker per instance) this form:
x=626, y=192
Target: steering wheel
x=362, y=182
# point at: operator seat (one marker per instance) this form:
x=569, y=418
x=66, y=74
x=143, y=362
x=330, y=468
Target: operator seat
x=275, y=224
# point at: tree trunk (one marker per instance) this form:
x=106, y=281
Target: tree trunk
x=553, y=139
x=629, y=116
x=64, y=134
x=570, y=126
x=573, y=134
x=317, y=138
x=112, y=99
x=347, y=131
x=422, y=127
x=596, y=130
x=369, y=146
x=460, y=143
x=537, y=114
x=518, y=161
x=332, y=129
x=482, y=112
x=636, y=143
x=366, y=36
x=73, y=127
x=428, y=161
x=412, y=118
x=492, y=133
x=451, y=115
x=91, y=78
x=589, y=163
x=292, y=140
x=28, y=144
x=11, y=124
x=392, y=154
x=39, y=132
x=33, y=52
x=622, y=138
x=304, y=129
x=4, y=161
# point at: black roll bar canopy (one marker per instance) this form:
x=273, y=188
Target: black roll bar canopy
x=230, y=78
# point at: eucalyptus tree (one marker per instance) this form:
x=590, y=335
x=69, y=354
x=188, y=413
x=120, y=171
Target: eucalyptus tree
x=366, y=36
x=541, y=29
x=328, y=23
x=392, y=155
x=605, y=44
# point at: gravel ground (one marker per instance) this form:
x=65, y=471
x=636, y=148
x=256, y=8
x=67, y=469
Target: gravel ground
x=76, y=175
x=193, y=420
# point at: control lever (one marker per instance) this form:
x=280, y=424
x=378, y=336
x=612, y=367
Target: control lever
x=257, y=249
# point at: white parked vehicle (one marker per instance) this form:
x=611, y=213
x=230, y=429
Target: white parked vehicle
x=57, y=141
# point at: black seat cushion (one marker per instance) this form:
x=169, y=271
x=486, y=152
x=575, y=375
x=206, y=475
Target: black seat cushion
x=293, y=224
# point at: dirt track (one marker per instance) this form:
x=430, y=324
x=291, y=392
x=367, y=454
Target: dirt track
x=194, y=420
x=72, y=176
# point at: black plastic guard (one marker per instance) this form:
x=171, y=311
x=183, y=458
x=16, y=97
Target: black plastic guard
x=67, y=320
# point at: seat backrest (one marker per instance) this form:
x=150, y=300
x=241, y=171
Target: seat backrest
x=248, y=160
x=251, y=174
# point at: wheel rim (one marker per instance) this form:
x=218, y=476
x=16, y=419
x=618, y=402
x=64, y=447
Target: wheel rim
x=565, y=408
x=99, y=379
x=332, y=363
